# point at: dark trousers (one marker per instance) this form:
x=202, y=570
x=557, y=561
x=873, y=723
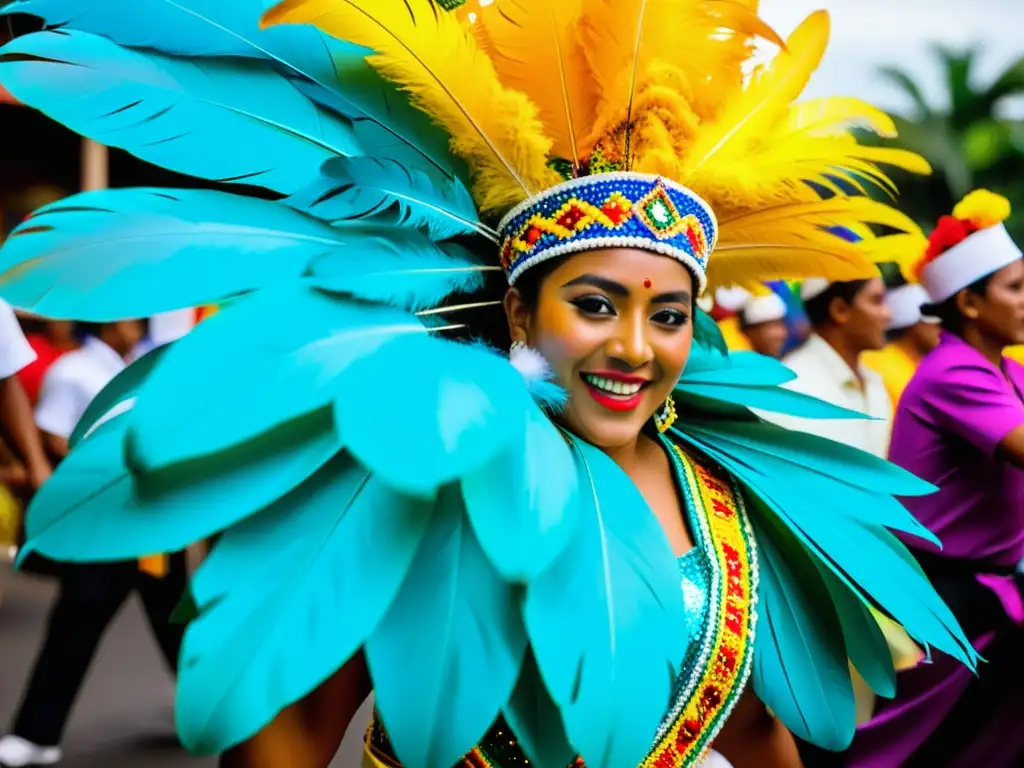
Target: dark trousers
x=90, y=596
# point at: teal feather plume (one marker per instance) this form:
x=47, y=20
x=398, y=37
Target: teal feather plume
x=466, y=406
x=287, y=596
x=117, y=396
x=865, y=557
x=524, y=504
x=728, y=386
x=226, y=120
x=125, y=253
x=868, y=485
x=721, y=398
x=866, y=646
x=446, y=657
x=330, y=72
x=800, y=665
x=616, y=585
x=828, y=458
x=266, y=360
x=397, y=267
x=443, y=209
x=93, y=508
x=707, y=333
x=744, y=368
x=536, y=721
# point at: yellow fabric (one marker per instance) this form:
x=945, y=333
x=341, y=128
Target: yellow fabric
x=895, y=365
x=10, y=517
x=734, y=338
x=1015, y=353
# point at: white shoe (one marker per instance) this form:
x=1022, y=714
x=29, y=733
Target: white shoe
x=15, y=752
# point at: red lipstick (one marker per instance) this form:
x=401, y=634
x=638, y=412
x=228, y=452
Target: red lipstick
x=619, y=403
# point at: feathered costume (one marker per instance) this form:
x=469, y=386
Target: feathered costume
x=380, y=483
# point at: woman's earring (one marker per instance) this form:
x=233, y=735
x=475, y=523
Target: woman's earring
x=667, y=417
x=529, y=362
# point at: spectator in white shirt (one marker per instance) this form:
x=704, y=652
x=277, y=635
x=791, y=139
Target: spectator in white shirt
x=848, y=318
x=19, y=430
x=90, y=593
x=76, y=378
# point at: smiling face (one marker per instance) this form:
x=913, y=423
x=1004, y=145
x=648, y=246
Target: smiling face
x=615, y=326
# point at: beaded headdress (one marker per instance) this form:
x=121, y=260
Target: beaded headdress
x=635, y=123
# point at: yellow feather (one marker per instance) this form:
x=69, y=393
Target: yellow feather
x=778, y=220
x=790, y=241
x=439, y=62
x=734, y=264
x=829, y=115
x=758, y=109
x=537, y=51
x=706, y=41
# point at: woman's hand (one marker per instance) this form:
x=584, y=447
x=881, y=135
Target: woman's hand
x=753, y=738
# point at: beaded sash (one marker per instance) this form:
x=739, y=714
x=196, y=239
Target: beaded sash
x=719, y=674
x=716, y=674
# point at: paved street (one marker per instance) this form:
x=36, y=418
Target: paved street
x=124, y=716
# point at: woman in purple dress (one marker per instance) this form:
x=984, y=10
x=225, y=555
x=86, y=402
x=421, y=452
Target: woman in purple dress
x=960, y=425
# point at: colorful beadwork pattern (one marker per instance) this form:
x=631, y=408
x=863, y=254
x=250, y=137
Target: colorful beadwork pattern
x=624, y=210
x=723, y=665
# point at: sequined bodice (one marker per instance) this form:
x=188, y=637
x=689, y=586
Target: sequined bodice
x=695, y=577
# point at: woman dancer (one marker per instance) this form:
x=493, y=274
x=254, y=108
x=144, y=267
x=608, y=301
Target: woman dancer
x=488, y=546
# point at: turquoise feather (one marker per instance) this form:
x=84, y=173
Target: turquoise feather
x=524, y=504
x=743, y=368
x=442, y=209
x=400, y=268
x=536, y=721
x=446, y=657
x=459, y=407
x=606, y=621
x=227, y=120
x=288, y=596
x=266, y=360
x=117, y=395
x=707, y=333
x=866, y=646
x=826, y=457
x=867, y=559
x=800, y=666
x=332, y=73
x=766, y=398
x=821, y=474
x=93, y=509
x=125, y=253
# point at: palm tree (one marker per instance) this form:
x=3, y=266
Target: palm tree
x=968, y=144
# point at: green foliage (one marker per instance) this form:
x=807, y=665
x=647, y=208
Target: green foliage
x=967, y=143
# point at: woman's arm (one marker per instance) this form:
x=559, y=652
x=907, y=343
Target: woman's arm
x=752, y=738
x=308, y=733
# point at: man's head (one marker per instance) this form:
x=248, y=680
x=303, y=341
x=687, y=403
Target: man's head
x=763, y=322
x=122, y=335
x=907, y=323
x=853, y=311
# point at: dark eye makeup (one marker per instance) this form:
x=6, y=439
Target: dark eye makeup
x=596, y=305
